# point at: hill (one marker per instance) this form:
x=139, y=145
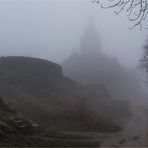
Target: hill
x=38, y=89
x=17, y=131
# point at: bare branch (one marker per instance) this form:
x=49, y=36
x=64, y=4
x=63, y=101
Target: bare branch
x=136, y=10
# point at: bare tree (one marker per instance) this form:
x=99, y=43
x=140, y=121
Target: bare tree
x=136, y=10
x=144, y=59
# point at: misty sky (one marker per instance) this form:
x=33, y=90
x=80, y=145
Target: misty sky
x=52, y=29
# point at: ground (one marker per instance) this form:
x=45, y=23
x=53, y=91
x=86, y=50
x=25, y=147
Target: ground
x=134, y=133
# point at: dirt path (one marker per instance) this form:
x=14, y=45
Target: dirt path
x=135, y=133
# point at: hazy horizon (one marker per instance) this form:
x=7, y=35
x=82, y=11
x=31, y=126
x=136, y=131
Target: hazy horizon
x=53, y=29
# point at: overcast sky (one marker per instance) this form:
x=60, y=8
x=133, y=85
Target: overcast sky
x=52, y=29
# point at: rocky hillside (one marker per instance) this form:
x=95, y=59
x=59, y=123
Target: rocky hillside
x=39, y=90
x=13, y=124
x=17, y=131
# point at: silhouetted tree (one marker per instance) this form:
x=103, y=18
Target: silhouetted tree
x=144, y=59
x=136, y=10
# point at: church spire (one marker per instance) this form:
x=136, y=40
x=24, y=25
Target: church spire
x=90, y=39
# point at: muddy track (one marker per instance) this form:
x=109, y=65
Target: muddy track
x=135, y=132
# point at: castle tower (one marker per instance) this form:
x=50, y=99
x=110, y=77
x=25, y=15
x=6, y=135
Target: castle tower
x=90, y=40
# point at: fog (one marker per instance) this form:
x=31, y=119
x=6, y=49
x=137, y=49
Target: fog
x=91, y=66
x=96, y=96
x=53, y=29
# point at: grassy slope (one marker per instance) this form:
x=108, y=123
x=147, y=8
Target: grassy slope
x=23, y=134
x=38, y=89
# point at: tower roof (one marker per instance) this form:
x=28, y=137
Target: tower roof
x=90, y=38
